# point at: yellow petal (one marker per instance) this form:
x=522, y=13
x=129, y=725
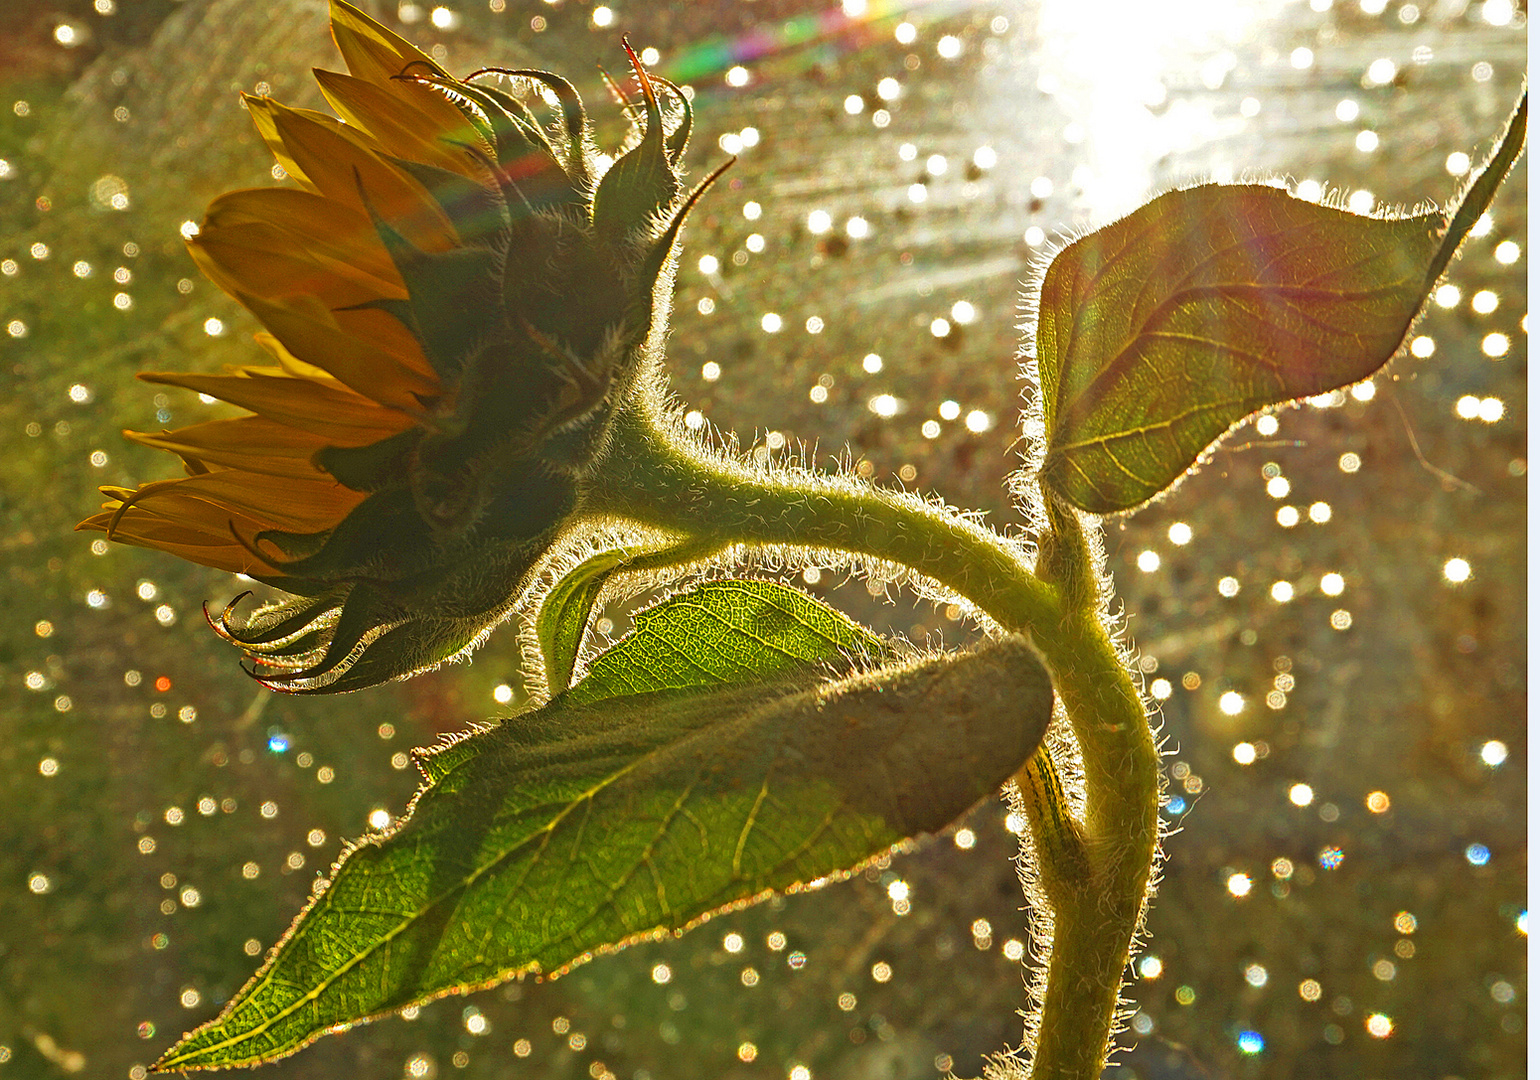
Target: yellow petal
x=158, y=513
x=345, y=167
x=334, y=235
x=309, y=331
x=401, y=129
x=376, y=55
x=169, y=505
x=254, y=502
x=253, y=443
x=329, y=410
x=149, y=531
x=279, y=502
x=197, y=523
x=289, y=364
x=256, y=259
x=117, y=495
x=262, y=117
x=372, y=52
x=375, y=328
x=383, y=331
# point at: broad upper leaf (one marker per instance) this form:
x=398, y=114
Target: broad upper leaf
x=591, y=823
x=1161, y=331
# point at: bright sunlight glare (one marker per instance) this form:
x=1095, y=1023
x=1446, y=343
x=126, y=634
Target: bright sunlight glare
x=1106, y=75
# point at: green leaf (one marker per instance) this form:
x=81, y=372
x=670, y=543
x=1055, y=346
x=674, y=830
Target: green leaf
x=727, y=632
x=578, y=828
x=563, y=616
x=1160, y=332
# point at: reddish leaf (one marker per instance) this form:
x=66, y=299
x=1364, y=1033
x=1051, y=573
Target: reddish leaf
x=1162, y=331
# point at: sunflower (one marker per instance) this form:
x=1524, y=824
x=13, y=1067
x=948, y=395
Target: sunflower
x=454, y=296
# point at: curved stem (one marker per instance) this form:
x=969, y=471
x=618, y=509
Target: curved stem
x=1097, y=916
x=657, y=478
x=1095, y=873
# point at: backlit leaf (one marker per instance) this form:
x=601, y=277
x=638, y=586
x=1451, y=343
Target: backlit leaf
x=727, y=632
x=563, y=615
x=1161, y=331
x=581, y=827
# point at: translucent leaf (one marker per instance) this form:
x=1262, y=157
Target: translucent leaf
x=581, y=827
x=1161, y=331
x=727, y=632
x=563, y=616
x=564, y=613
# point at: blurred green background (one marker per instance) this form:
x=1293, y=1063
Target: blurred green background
x=903, y=170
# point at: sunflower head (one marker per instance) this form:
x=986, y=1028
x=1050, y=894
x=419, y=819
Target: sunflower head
x=455, y=295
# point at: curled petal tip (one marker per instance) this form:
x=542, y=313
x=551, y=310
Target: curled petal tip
x=221, y=626
x=250, y=546
x=431, y=74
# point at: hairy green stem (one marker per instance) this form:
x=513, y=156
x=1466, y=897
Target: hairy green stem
x=1096, y=918
x=1096, y=914
x=654, y=478
x=1094, y=873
